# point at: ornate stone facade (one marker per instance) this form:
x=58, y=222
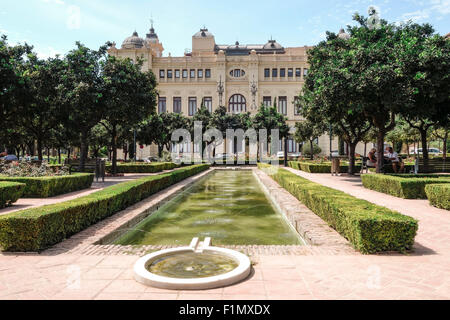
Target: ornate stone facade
x=240, y=77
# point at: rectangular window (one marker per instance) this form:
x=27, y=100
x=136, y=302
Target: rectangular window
x=192, y=73
x=177, y=105
x=305, y=72
x=192, y=106
x=292, y=146
x=208, y=73
x=298, y=72
x=282, y=105
x=266, y=73
x=185, y=73
x=177, y=74
x=162, y=74
x=169, y=74
x=162, y=105
x=297, y=106
x=267, y=101
x=283, y=73
x=274, y=73
x=290, y=72
x=207, y=102
x=200, y=73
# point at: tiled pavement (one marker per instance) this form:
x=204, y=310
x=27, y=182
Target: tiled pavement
x=423, y=274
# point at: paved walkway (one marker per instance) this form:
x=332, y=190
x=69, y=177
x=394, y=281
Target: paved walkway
x=424, y=274
x=26, y=203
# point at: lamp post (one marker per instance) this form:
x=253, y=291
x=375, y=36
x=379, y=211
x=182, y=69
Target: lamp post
x=254, y=90
x=220, y=91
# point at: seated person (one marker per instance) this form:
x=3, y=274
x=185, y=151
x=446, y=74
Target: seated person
x=395, y=160
x=10, y=157
x=372, y=161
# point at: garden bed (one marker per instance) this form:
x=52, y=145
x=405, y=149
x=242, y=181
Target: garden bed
x=142, y=167
x=10, y=192
x=406, y=186
x=369, y=228
x=439, y=195
x=36, y=229
x=324, y=167
x=45, y=187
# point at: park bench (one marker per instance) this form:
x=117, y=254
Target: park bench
x=97, y=166
x=433, y=166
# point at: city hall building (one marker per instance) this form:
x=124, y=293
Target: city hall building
x=238, y=76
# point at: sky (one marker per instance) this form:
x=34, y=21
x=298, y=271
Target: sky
x=53, y=26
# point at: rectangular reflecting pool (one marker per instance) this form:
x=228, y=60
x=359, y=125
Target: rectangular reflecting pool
x=228, y=206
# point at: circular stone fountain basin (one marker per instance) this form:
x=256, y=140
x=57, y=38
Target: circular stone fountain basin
x=189, y=268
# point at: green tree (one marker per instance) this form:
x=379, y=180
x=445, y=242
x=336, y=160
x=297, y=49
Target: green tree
x=12, y=86
x=81, y=93
x=129, y=95
x=425, y=59
x=330, y=99
x=40, y=113
x=308, y=131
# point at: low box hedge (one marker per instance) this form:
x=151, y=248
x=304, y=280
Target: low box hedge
x=10, y=192
x=36, y=229
x=406, y=186
x=143, y=167
x=320, y=167
x=439, y=195
x=369, y=228
x=44, y=187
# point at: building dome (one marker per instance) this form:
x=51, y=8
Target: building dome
x=343, y=35
x=151, y=37
x=272, y=45
x=203, y=33
x=133, y=42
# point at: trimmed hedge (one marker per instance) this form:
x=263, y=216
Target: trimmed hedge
x=143, y=167
x=36, y=229
x=403, y=186
x=10, y=192
x=44, y=187
x=319, y=167
x=439, y=195
x=369, y=228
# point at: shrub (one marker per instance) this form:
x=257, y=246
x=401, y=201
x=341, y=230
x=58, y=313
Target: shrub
x=368, y=227
x=324, y=167
x=306, y=149
x=10, y=192
x=439, y=195
x=44, y=187
x=29, y=169
x=36, y=229
x=143, y=167
x=402, y=186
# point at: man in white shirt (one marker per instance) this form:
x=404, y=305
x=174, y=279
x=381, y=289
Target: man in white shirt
x=395, y=160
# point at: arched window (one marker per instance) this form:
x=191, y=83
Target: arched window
x=237, y=104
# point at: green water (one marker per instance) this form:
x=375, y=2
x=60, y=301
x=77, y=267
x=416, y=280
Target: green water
x=193, y=265
x=228, y=206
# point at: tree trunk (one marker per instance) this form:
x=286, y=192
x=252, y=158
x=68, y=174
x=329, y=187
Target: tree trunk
x=423, y=137
x=83, y=151
x=39, y=146
x=380, y=150
x=59, y=155
x=114, y=150
x=351, y=158
x=160, y=150
x=48, y=155
x=312, y=149
x=444, y=148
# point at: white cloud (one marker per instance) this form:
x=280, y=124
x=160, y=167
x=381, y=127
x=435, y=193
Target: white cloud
x=53, y=1
x=436, y=9
x=45, y=53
